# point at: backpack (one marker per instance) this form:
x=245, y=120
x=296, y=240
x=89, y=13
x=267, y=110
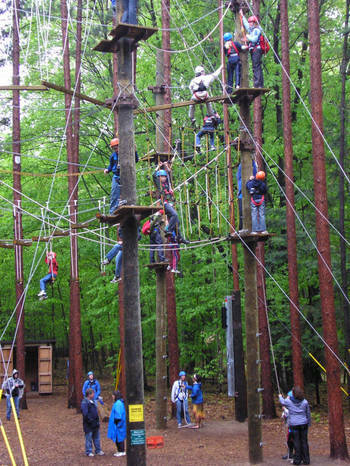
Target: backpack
x=146, y=229
x=264, y=45
x=201, y=87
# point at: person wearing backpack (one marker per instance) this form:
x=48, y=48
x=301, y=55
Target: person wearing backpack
x=299, y=422
x=232, y=50
x=199, y=87
x=179, y=396
x=253, y=36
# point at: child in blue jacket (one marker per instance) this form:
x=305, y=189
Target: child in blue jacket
x=197, y=400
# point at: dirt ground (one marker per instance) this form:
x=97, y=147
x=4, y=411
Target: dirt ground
x=53, y=436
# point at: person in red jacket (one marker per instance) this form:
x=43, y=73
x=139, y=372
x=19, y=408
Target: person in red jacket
x=51, y=261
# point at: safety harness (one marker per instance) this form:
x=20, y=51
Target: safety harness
x=258, y=203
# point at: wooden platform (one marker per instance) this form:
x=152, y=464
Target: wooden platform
x=244, y=92
x=130, y=31
x=126, y=211
x=157, y=157
x=158, y=266
x=247, y=237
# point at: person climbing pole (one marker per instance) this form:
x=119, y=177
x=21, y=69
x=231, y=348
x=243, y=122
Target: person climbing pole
x=179, y=396
x=156, y=232
x=254, y=33
x=162, y=181
x=50, y=259
x=210, y=124
x=239, y=189
x=232, y=50
x=114, y=167
x=199, y=87
x=13, y=388
x=257, y=189
x=117, y=253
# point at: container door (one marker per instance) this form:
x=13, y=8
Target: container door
x=45, y=369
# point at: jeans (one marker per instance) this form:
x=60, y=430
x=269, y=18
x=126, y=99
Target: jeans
x=258, y=217
x=45, y=280
x=156, y=240
x=202, y=133
x=210, y=110
x=173, y=218
x=180, y=407
x=240, y=210
x=9, y=407
x=117, y=252
x=115, y=195
x=258, y=77
x=301, y=447
x=233, y=68
x=130, y=10
x=90, y=437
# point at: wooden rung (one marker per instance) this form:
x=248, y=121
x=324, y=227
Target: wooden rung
x=130, y=31
x=16, y=87
x=61, y=233
x=126, y=211
x=6, y=246
x=158, y=265
x=23, y=242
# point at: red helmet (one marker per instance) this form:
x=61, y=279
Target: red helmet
x=260, y=175
x=253, y=19
x=161, y=211
x=114, y=142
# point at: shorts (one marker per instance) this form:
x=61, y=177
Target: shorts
x=198, y=411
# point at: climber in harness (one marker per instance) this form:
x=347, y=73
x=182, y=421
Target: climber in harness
x=114, y=167
x=51, y=261
x=117, y=253
x=232, y=50
x=162, y=181
x=254, y=33
x=157, y=236
x=210, y=123
x=199, y=87
x=257, y=188
x=179, y=396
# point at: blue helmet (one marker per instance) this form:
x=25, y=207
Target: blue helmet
x=161, y=173
x=227, y=36
x=181, y=373
x=90, y=373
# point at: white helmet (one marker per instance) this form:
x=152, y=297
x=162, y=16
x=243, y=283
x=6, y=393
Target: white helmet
x=199, y=70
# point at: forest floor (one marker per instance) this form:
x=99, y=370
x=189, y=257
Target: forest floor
x=53, y=435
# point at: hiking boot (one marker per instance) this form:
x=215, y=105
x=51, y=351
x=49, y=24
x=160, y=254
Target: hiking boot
x=41, y=293
x=122, y=202
x=115, y=280
x=265, y=232
x=120, y=453
x=90, y=454
x=105, y=262
x=100, y=453
x=175, y=271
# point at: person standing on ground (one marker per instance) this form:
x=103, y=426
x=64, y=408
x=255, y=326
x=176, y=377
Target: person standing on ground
x=254, y=33
x=179, y=396
x=197, y=400
x=13, y=388
x=117, y=424
x=91, y=423
x=299, y=422
x=93, y=383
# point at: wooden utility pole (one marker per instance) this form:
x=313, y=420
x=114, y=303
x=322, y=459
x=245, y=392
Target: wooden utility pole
x=17, y=196
x=338, y=447
x=239, y=368
x=297, y=359
x=75, y=353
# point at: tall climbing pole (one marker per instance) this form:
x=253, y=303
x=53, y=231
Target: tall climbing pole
x=173, y=344
x=75, y=352
x=17, y=197
x=290, y=207
x=268, y=408
x=239, y=367
x=249, y=248
x=338, y=447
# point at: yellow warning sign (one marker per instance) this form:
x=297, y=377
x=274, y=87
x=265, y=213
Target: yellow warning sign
x=135, y=413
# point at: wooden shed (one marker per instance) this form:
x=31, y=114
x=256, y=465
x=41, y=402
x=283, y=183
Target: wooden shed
x=38, y=363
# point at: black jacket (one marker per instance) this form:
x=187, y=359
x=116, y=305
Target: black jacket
x=91, y=420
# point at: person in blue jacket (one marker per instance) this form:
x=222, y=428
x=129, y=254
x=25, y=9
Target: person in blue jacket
x=114, y=167
x=91, y=382
x=232, y=50
x=299, y=422
x=91, y=423
x=239, y=189
x=117, y=423
x=257, y=190
x=197, y=400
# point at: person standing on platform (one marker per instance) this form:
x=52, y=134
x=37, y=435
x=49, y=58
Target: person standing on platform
x=253, y=36
x=257, y=189
x=117, y=424
x=299, y=422
x=51, y=261
x=179, y=396
x=199, y=87
x=114, y=167
x=232, y=50
x=239, y=189
x=156, y=232
x=13, y=388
